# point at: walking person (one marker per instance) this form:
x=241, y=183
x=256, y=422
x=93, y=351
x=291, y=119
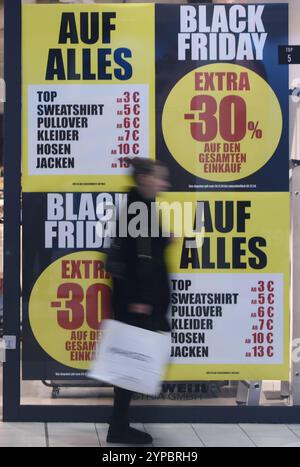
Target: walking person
x=141, y=295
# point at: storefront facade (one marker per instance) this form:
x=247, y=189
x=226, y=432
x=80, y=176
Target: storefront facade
x=214, y=101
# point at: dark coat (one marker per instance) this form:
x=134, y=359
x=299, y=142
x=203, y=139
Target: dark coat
x=145, y=279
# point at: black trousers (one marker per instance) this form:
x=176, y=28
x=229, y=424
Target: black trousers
x=122, y=398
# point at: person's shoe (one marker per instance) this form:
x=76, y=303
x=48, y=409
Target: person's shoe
x=127, y=436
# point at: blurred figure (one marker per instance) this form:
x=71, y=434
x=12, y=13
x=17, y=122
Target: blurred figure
x=141, y=295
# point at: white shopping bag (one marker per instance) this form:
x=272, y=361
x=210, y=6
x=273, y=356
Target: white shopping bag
x=131, y=357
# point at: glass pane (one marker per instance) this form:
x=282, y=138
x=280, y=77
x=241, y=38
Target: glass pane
x=199, y=393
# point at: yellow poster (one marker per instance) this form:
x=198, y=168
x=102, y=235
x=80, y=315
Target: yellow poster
x=88, y=95
x=103, y=84
x=229, y=266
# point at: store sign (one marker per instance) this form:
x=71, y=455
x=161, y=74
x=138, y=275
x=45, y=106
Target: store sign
x=289, y=54
x=88, y=95
x=200, y=86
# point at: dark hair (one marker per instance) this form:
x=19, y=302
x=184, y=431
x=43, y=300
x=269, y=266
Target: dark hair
x=143, y=166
